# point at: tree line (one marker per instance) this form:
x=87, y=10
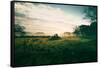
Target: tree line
x=88, y=30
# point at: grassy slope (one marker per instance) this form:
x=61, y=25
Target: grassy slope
x=36, y=51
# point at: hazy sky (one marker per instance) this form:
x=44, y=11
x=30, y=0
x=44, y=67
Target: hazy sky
x=49, y=18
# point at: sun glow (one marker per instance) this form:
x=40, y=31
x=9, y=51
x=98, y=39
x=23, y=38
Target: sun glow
x=47, y=19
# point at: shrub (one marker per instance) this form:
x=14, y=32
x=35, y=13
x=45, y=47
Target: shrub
x=55, y=37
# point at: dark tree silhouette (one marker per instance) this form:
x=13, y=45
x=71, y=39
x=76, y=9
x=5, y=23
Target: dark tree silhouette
x=90, y=13
x=83, y=30
x=19, y=30
x=93, y=28
x=54, y=37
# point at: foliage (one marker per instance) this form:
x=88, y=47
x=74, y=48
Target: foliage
x=84, y=30
x=40, y=51
x=55, y=37
x=91, y=13
x=19, y=30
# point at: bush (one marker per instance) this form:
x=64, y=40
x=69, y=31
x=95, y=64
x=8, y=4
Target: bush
x=55, y=37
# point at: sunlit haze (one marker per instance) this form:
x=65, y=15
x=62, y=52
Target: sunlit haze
x=49, y=18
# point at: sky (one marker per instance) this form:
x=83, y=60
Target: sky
x=49, y=18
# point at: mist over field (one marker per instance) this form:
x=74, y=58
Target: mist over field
x=54, y=34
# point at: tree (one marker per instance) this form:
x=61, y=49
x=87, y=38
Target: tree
x=90, y=13
x=77, y=31
x=93, y=28
x=83, y=30
x=54, y=37
x=19, y=30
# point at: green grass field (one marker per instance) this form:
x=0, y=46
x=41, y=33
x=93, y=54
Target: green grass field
x=42, y=51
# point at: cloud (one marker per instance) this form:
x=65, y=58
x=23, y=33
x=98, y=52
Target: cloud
x=45, y=18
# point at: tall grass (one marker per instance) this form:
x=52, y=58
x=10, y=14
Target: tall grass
x=38, y=51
